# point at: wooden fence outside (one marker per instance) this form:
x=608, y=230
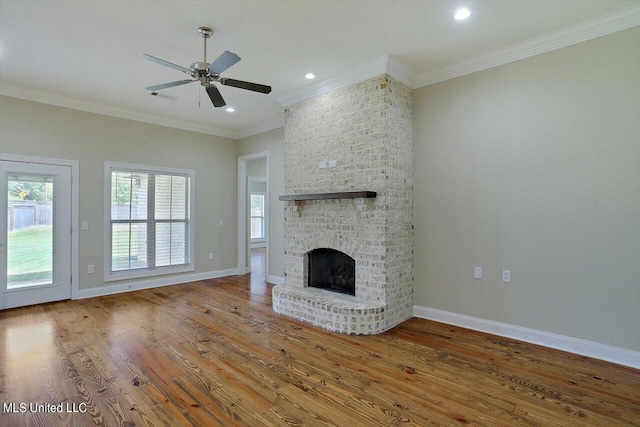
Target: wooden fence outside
x=28, y=213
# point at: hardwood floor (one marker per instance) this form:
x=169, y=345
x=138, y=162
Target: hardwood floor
x=214, y=353
x=258, y=260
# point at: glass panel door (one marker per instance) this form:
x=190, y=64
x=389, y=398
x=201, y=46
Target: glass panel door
x=35, y=236
x=29, y=230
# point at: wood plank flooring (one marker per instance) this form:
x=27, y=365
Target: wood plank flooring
x=214, y=353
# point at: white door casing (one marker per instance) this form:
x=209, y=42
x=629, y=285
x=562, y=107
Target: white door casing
x=58, y=285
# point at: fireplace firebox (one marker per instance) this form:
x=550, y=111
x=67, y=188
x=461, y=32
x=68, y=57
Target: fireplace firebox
x=332, y=270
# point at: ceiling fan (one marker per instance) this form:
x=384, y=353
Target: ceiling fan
x=206, y=73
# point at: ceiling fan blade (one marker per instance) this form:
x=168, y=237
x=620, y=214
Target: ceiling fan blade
x=168, y=85
x=246, y=85
x=163, y=62
x=224, y=61
x=215, y=96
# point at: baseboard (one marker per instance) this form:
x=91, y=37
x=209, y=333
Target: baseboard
x=258, y=245
x=276, y=280
x=596, y=350
x=156, y=282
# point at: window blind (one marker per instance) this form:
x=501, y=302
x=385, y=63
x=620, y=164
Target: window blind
x=150, y=219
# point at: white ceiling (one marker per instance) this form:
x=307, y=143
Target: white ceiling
x=82, y=53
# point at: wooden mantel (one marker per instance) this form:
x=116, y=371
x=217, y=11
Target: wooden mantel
x=325, y=196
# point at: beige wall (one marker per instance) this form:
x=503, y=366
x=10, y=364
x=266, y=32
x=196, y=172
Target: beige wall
x=272, y=141
x=30, y=128
x=534, y=167
x=257, y=168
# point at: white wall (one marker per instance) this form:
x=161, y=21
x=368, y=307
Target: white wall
x=272, y=141
x=30, y=128
x=534, y=167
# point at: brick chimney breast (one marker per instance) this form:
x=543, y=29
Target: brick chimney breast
x=355, y=138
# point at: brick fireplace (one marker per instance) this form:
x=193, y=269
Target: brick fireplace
x=366, y=129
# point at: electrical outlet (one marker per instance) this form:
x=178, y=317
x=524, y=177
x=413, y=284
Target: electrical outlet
x=506, y=276
x=332, y=163
x=322, y=165
x=90, y=269
x=477, y=272
x=220, y=222
x=211, y=256
x=84, y=225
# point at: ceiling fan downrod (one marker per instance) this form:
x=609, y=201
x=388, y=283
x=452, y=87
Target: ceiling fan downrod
x=205, y=32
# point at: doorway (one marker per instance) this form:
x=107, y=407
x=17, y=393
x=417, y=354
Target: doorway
x=253, y=214
x=258, y=217
x=35, y=232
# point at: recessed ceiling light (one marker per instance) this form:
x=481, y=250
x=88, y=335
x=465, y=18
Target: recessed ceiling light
x=462, y=14
x=231, y=109
x=309, y=76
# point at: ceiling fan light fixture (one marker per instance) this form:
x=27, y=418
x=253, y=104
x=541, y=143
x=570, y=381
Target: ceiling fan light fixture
x=462, y=14
x=309, y=76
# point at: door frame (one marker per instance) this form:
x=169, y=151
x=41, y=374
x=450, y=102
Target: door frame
x=243, y=221
x=75, y=199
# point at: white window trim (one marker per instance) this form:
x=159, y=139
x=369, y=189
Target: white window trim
x=110, y=276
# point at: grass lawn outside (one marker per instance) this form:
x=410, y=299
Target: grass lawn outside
x=29, y=255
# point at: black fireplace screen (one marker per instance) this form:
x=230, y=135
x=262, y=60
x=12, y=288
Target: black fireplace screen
x=332, y=270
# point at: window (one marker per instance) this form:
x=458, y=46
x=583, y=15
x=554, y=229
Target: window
x=149, y=228
x=257, y=216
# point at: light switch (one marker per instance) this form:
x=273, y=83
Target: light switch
x=84, y=225
x=220, y=222
x=332, y=163
x=477, y=272
x=322, y=165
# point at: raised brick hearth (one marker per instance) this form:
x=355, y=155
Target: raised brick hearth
x=366, y=128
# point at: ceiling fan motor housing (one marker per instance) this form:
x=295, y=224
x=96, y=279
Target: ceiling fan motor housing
x=199, y=68
x=200, y=71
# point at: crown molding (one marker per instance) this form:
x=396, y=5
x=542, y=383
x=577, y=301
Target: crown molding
x=383, y=65
x=261, y=128
x=361, y=73
x=51, y=99
x=400, y=73
x=608, y=24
